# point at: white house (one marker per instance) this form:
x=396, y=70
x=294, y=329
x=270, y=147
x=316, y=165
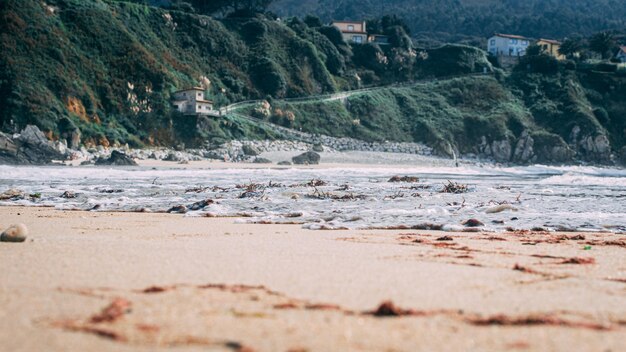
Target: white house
x=191, y=102
x=508, y=45
x=621, y=54
x=352, y=32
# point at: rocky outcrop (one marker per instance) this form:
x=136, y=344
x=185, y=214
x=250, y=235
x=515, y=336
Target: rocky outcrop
x=524, y=152
x=117, y=159
x=30, y=147
x=308, y=158
x=499, y=151
x=529, y=148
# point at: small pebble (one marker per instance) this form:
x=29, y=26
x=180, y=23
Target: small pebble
x=15, y=233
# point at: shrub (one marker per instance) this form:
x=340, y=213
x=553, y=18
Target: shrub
x=267, y=76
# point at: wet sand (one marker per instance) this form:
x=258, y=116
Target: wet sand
x=144, y=282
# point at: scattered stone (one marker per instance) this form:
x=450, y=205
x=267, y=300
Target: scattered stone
x=87, y=163
x=15, y=233
x=317, y=147
x=200, y=205
x=308, y=158
x=117, y=159
x=409, y=179
x=262, y=161
x=172, y=156
x=12, y=194
x=473, y=223
x=68, y=195
x=284, y=163
x=177, y=209
x=249, y=150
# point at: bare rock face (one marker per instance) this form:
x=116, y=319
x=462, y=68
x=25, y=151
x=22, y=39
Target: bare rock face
x=30, y=147
x=497, y=150
x=524, y=152
x=596, y=148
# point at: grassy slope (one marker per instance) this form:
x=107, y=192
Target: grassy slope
x=462, y=111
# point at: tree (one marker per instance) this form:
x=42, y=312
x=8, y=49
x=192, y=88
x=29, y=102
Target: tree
x=535, y=50
x=571, y=47
x=230, y=6
x=602, y=43
x=313, y=21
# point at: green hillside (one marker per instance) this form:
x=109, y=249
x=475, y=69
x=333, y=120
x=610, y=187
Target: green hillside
x=107, y=69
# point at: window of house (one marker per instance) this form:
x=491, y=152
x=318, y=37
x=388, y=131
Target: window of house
x=493, y=42
x=350, y=27
x=357, y=39
x=184, y=94
x=513, y=41
x=524, y=42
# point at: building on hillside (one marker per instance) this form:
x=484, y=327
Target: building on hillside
x=551, y=47
x=508, y=45
x=378, y=39
x=352, y=31
x=621, y=54
x=192, y=102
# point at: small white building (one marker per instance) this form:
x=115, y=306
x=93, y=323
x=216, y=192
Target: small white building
x=192, y=102
x=508, y=45
x=621, y=54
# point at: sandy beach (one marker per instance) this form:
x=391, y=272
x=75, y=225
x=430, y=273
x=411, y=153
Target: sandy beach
x=128, y=281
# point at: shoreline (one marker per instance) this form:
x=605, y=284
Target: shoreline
x=305, y=289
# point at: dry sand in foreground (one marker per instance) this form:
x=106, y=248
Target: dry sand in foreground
x=124, y=281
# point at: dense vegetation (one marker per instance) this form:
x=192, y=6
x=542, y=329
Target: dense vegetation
x=473, y=20
x=107, y=68
x=567, y=114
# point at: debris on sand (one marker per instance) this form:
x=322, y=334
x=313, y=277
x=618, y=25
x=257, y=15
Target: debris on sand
x=112, y=312
x=454, y=187
x=579, y=261
x=316, y=183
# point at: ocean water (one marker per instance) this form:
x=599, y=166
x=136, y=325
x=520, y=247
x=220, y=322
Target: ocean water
x=552, y=198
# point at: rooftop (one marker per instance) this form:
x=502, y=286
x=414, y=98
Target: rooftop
x=354, y=22
x=190, y=89
x=511, y=36
x=550, y=41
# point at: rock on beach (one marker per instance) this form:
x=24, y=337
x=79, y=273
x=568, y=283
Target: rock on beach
x=15, y=233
